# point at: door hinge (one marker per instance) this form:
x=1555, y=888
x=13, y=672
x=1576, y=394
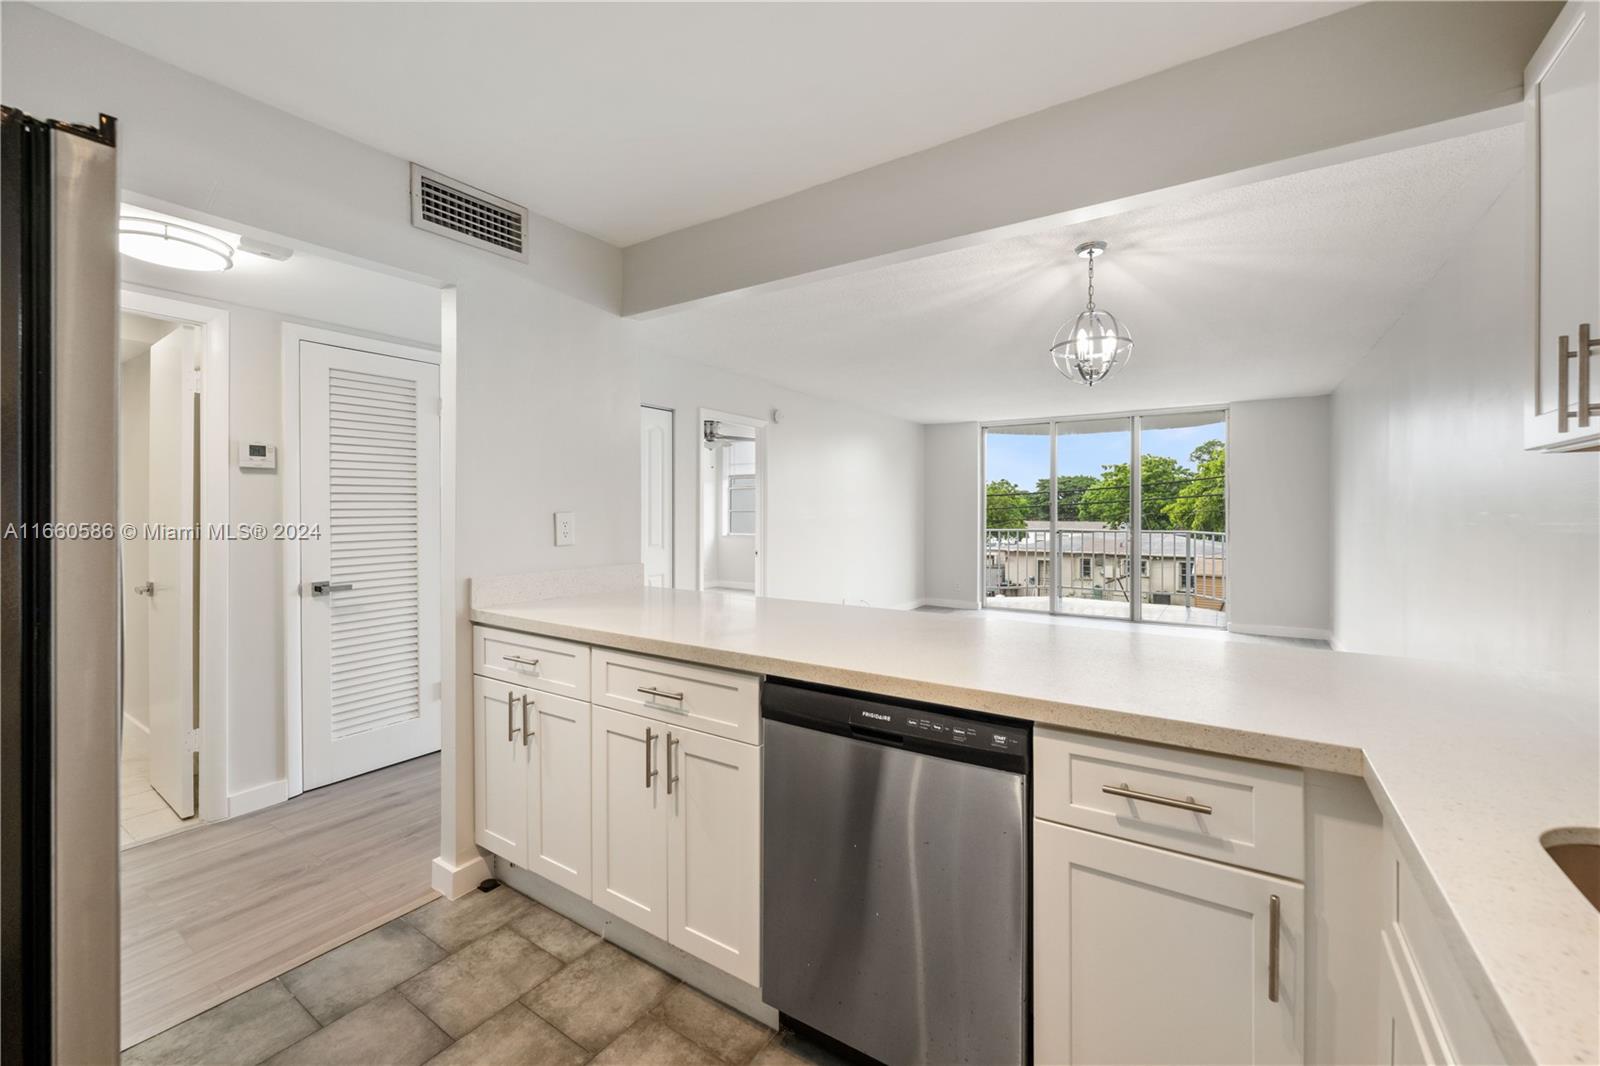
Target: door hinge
x=193, y=379
x=191, y=740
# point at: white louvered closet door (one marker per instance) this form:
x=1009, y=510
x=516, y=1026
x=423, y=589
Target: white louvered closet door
x=369, y=478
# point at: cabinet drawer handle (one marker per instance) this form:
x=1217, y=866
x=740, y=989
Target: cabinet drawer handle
x=532, y=664
x=649, y=751
x=1275, y=922
x=511, y=725
x=1185, y=804
x=527, y=734
x=659, y=694
x=1566, y=353
x=672, y=761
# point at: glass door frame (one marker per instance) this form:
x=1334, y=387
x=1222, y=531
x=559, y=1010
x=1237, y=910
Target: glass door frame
x=1135, y=421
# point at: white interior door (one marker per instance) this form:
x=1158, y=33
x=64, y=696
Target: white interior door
x=369, y=571
x=655, y=495
x=172, y=566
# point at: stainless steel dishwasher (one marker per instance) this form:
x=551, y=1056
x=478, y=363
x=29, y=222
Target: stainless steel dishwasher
x=895, y=867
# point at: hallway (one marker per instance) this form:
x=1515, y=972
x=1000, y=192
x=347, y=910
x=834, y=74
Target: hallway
x=216, y=910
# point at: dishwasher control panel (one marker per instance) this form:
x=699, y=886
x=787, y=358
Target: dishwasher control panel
x=938, y=728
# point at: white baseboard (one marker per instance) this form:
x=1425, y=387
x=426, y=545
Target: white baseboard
x=959, y=605
x=258, y=798
x=1299, y=632
x=736, y=586
x=694, y=972
x=453, y=882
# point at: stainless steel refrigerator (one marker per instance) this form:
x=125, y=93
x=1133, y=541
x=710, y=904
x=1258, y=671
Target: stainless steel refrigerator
x=59, y=651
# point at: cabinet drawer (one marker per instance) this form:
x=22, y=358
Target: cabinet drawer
x=1243, y=813
x=545, y=663
x=714, y=701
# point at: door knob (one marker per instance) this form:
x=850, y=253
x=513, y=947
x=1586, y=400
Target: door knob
x=322, y=588
x=146, y=589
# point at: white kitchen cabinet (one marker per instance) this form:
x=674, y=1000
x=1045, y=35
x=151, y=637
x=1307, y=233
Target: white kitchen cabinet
x=1562, y=110
x=714, y=850
x=630, y=818
x=1409, y=1033
x=531, y=784
x=558, y=790
x=1149, y=956
x=500, y=763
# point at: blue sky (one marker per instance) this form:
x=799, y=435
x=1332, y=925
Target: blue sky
x=1024, y=460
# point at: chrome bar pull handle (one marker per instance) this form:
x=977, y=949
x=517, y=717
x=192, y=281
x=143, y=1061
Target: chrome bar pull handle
x=1586, y=346
x=649, y=750
x=672, y=761
x=511, y=725
x=527, y=733
x=1275, y=924
x=322, y=588
x=660, y=694
x=1186, y=804
x=532, y=664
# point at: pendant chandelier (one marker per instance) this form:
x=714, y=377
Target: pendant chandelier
x=1091, y=346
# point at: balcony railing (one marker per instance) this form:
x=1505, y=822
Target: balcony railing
x=1177, y=567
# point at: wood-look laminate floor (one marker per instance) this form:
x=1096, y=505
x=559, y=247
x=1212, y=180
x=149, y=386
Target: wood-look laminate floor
x=215, y=911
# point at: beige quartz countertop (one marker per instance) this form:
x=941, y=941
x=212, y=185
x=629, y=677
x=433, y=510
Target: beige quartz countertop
x=1469, y=770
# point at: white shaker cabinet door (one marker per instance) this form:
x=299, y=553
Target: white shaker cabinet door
x=1148, y=956
x=500, y=761
x=1562, y=111
x=630, y=818
x=714, y=851
x=559, y=826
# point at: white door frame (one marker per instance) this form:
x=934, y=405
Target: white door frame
x=760, y=426
x=672, y=493
x=289, y=484
x=215, y=469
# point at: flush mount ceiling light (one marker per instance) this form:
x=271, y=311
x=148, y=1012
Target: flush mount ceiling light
x=1094, y=344
x=169, y=244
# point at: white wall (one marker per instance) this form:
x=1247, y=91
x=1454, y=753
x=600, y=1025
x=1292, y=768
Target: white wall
x=1451, y=542
x=133, y=505
x=532, y=351
x=843, y=485
x=954, y=510
x=1279, y=517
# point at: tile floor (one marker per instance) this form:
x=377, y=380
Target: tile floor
x=490, y=978
x=144, y=815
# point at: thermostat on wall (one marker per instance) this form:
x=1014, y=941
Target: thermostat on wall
x=257, y=456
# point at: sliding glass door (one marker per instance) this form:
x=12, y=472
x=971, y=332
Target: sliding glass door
x=1017, y=556
x=1122, y=517
x=1093, y=497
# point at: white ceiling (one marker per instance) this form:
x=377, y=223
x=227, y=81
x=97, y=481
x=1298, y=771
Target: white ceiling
x=306, y=287
x=1264, y=290
x=627, y=121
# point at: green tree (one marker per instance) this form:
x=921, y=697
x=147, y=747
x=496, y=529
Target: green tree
x=1161, y=480
x=1202, y=503
x=1008, y=506
x=1070, y=487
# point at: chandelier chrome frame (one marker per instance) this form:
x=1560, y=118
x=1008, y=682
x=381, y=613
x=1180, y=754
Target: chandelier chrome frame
x=1091, y=346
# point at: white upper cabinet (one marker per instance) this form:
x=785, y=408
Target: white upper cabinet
x=1562, y=87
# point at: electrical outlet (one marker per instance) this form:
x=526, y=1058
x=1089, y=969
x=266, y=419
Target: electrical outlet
x=566, y=529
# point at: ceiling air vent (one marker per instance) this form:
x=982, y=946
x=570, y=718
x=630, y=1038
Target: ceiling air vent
x=456, y=210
